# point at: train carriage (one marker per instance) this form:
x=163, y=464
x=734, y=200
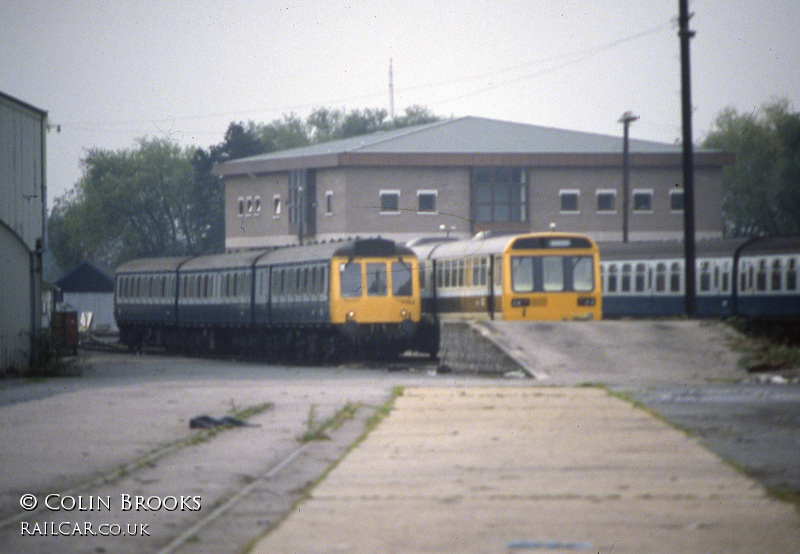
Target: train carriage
x=145, y=297
x=318, y=300
x=755, y=279
x=511, y=277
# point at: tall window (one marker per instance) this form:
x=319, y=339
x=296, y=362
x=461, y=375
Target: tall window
x=499, y=195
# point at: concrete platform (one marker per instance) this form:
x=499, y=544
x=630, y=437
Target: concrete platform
x=499, y=469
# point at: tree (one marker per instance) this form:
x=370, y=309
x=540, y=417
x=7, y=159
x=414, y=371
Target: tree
x=761, y=190
x=132, y=203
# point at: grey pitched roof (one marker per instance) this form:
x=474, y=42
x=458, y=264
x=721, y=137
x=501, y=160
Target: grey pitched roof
x=450, y=141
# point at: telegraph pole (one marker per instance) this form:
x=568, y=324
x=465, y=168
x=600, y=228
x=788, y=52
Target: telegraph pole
x=626, y=120
x=686, y=35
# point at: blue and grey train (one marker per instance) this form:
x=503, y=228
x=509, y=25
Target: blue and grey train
x=752, y=279
x=315, y=302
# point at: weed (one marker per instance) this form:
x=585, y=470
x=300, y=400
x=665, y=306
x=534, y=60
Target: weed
x=316, y=430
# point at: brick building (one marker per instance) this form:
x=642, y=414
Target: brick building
x=464, y=175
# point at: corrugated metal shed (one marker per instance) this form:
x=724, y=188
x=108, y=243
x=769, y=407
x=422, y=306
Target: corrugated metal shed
x=22, y=182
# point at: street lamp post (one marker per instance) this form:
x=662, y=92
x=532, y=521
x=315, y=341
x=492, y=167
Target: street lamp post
x=626, y=119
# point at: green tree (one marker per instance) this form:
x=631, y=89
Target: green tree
x=132, y=203
x=761, y=190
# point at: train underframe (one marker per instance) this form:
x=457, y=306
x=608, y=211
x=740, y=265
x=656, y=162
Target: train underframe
x=287, y=344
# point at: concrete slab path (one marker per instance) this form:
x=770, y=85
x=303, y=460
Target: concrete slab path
x=498, y=469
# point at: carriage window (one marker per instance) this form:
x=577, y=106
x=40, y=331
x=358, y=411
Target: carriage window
x=661, y=277
x=376, y=279
x=350, y=276
x=791, y=275
x=612, y=278
x=479, y=271
x=761, y=276
x=626, y=278
x=776, y=275
x=401, y=279
x=639, y=278
x=675, y=277
x=705, y=276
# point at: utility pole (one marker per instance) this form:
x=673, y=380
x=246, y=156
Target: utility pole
x=685, y=35
x=626, y=119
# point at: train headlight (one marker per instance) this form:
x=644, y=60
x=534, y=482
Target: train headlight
x=404, y=313
x=351, y=315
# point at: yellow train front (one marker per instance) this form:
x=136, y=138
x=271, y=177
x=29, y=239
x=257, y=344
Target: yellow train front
x=534, y=276
x=374, y=296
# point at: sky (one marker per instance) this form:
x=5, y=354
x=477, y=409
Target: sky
x=111, y=72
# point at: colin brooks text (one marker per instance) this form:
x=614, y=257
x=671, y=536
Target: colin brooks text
x=124, y=502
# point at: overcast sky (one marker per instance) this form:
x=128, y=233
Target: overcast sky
x=112, y=71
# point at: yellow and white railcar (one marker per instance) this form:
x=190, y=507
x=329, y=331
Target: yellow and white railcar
x=534, y=276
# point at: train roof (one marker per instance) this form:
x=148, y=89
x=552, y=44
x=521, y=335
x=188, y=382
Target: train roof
x=351, y=248
x=704, y=248
x=152, y=265
x=232, y=260
x=486, y=244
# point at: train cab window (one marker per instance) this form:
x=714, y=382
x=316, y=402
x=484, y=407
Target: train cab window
x=522, y=274
x=376, y=279
x=582, y=274
x=401, y=279
x=552, y=273
x=350, y=279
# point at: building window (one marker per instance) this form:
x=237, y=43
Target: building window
x=390, y=201
x=256, y=205
x=642, y=200
x=676, y=200
x=569, y=201
x=329, y=202
x=241, y=206
x=276, y=206
x=606, y=200
x=499, y=195
x=426, y=201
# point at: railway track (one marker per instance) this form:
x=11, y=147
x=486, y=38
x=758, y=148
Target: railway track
x=236, y=504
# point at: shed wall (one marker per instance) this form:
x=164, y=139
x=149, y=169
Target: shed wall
x=22, y=197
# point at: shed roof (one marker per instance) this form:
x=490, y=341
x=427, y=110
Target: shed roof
x=468, y=141
x=87, y=276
